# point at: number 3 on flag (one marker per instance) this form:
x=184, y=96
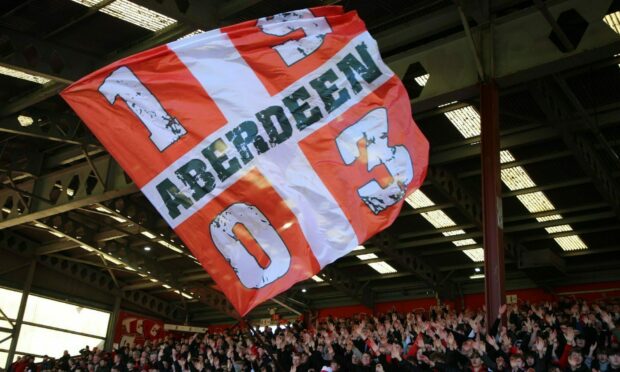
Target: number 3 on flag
x=372, y=129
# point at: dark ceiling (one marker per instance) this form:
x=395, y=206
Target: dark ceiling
x=67, y=204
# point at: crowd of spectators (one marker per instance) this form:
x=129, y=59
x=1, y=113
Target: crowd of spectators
x=567, y=335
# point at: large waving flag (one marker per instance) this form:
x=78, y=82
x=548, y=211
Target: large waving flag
x=272, y=147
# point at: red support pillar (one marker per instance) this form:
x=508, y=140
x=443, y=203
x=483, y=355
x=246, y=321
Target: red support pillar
x=492, y=226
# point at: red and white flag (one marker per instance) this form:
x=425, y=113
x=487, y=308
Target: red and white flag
x=272, y=147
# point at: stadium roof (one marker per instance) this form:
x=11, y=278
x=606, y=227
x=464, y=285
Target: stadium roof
x=67, y=204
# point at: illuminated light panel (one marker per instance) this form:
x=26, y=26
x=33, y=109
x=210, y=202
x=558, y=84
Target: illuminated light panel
x=166, y=286
x=571, y=243
x=130, y=268
x=463, y=242
x=438, y=219
x=23, y=75
x=317, y=279
x=368, y=256
x=447, y=104
x=154, y=280
x=137, y=15
x=466, y=120
x=170, y=246
x=197, y=32
x=419, y=200
x=132, y=13
x=558, y=229
x=453, y=232
x=88, y=3
x=505, y=156
x=613, y=21
x=25, y=121
x=475, y=254
x=536, y=202
x=552, y=217
x=148, y=234
x=516, y=178
x=382, y=267
x=358, y=248
x=422, y=80
x=476, y=276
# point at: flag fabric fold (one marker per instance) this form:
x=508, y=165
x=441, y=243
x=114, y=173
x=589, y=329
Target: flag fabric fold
x=271, y=147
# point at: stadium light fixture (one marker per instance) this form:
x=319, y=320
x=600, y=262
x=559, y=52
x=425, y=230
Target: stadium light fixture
x=367, y=256
x=23, y=75
x=466, y=120
x=317, y=279
x=475, y=254
x=132, y=13
x=382, y=267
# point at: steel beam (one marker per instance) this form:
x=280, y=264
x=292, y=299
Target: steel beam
x=79, y=232
x=102, y=236
x=230, y=8
x=429, y=274
x=52, y=88
x=50, y=126
x=536, y=159
x=64, y=190
x=492, y=215
x=347, y=285
x=526, y=136
x=453, y=77
x=20, y=313
x=577, y=231
x=127, y=208
x=452, y=189
x=556, y=102
x=86, y=274
x=109, y=339
x=43, y=57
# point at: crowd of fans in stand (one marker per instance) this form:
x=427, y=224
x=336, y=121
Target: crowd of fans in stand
x=564, y=336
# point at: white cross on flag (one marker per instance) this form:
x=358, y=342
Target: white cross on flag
x=271, y=147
